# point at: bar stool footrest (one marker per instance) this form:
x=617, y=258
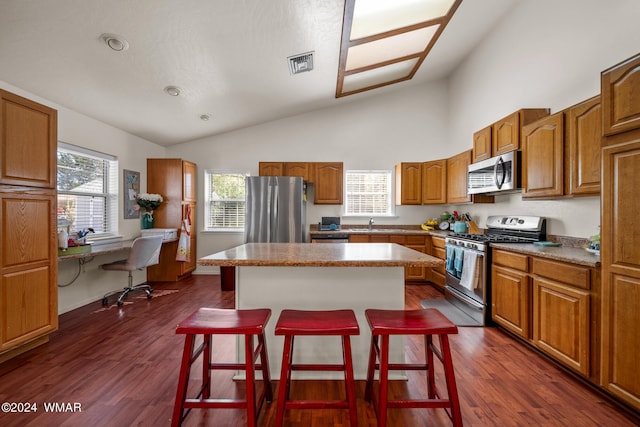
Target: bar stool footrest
x=317, y=367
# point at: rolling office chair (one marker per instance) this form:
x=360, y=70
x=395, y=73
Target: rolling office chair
x=145, y=251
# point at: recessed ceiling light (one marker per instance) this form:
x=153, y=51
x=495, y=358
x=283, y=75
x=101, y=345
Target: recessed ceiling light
x=172, y=90
x=205, y=117
x=115, y=42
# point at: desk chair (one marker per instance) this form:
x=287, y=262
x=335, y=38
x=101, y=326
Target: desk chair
x=145, y=251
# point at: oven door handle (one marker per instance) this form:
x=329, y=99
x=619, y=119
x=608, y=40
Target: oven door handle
x=499, y=183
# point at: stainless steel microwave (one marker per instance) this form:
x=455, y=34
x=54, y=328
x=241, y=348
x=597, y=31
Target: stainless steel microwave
x=494, y=175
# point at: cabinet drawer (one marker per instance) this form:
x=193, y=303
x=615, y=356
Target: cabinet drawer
x=415, y=240
x=379, y=239
x=401, y=240
x=567, y=273
x=510, y=259
x=437, y=242
x=442, y=254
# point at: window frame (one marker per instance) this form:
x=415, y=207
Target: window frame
x=390, y=211
x=208, y=201
x=109, y=193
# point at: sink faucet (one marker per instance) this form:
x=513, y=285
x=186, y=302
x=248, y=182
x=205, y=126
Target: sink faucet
x=371, y=223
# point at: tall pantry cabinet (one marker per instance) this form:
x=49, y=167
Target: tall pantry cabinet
x=28, y=241
x=620, y=248
x=175, y=181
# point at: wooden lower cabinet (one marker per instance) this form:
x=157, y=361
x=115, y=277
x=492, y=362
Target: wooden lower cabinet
x=561, y=323
x=437, y=274
x=419, y=243
x=28, y=268
x=511, y=300
x=550, y=304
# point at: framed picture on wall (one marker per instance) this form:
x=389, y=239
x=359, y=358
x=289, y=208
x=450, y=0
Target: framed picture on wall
x=131, y=188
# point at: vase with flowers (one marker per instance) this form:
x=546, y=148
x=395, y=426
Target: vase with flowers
x=148, y=202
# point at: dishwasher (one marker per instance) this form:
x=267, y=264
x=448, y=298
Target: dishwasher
x=329, y=237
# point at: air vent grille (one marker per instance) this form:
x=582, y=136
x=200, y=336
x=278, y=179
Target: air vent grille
x=300, y=63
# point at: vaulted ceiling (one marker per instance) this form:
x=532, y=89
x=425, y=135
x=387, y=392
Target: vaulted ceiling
x=228, y=59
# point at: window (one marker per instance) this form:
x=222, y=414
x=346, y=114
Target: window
x=224, y=200
x=368, y=193
x=87, y=190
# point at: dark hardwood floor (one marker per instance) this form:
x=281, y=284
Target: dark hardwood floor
x=120, y=365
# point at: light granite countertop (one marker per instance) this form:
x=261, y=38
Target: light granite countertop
x=559, y=253
x=321, y=255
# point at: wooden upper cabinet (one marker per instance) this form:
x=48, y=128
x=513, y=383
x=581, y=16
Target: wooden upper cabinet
x=189, y=178
x=457, y=177
x=543, y=148
x=434, y=182
x=28, y=142
x=409, y=184
x=271, y=168
x=328, y=181
x=303, y=169
x=583, y=147
x=506, y=133
x=620, y=99
x=482, y=147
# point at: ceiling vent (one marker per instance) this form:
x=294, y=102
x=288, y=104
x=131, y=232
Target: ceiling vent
x=300, y=63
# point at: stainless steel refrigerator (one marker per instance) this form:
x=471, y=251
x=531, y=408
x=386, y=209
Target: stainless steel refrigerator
x=276, y=209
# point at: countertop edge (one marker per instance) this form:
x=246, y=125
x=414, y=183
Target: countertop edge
x=560, y=253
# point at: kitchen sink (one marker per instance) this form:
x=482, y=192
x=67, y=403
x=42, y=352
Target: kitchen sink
x=378, y=230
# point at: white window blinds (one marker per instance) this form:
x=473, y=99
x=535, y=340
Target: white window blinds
x=225, y=200
x=87, y=190
x=368, y=193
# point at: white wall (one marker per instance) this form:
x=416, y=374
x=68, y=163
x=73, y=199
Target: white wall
x=373, y=133
x=132, y=152
x=546, y=53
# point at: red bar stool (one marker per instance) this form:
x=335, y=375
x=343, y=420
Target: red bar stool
x=211, y=321
x=341, y=323
x=428, y=322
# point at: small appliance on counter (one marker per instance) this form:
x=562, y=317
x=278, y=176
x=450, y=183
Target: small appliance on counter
x=329, y=223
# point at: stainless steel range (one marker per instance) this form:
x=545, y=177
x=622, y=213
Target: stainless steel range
x=468, y=279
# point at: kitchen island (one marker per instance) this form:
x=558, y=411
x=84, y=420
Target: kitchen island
x=307, y=276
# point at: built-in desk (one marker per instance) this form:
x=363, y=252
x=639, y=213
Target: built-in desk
x=103, y=249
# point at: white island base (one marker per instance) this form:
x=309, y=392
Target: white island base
x=322, y=288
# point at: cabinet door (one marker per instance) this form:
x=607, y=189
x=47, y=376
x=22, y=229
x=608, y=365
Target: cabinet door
x=409, y=184
x=302, y=169
x=28, y=142
x=561, y=323
x=457, y=178
x=620, y=258
x=328, y=183
x=358, y=238
x=434, y=182
x=189, y=178
x=28, y=266
x=584, y=134
x=164, y=177
x=506, y=134
x=510, y=300
x=482, y=144
x=542, y=152
x=620, y=100
x=271, y=169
